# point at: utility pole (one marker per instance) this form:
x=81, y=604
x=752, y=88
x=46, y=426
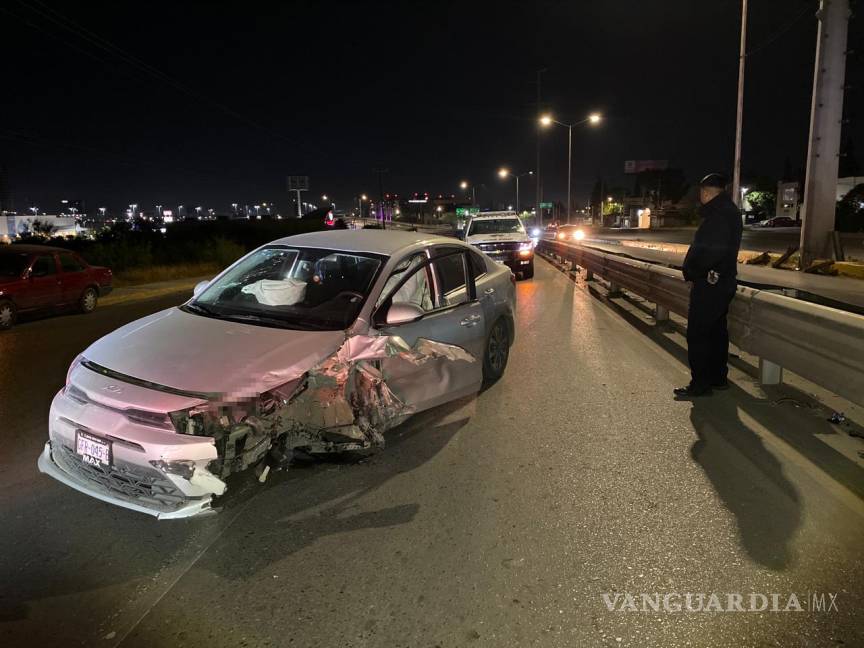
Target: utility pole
x=826, y=116
x=742, y=53
x=539, y=191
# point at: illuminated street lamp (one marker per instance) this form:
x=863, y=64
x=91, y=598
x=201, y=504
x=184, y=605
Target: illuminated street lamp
x=464, y=187
x=547, y=120
x=504, y=173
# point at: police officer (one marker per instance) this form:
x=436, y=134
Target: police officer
x=710, y=266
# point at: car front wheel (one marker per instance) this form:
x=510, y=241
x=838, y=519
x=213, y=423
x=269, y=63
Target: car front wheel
x=7, y=315
x=496, y=353
x=88, y=301
x=528, y=271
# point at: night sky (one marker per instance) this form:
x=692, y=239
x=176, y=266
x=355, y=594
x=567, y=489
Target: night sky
x=208, y=103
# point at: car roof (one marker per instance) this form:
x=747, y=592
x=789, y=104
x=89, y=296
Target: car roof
x=25, y=248
x=375, y=241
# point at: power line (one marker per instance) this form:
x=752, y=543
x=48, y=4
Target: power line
x=780, y=32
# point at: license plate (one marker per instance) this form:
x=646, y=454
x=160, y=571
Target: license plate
x=93, y=450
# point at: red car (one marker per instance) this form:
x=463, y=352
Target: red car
x=37, y=277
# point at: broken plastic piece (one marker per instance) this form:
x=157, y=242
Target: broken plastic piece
x=837, y=418
x=204, y=479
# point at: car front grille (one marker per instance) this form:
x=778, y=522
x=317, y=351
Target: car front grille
x=134, y=483
x=504, y=246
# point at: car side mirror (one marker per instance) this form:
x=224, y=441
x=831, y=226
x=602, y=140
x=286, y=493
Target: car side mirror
x=199, y=287
x=402, y=312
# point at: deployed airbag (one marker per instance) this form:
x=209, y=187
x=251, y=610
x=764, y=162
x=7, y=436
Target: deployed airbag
x=274, y=292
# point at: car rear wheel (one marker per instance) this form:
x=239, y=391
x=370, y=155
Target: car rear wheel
x=88, y=301
x=7, y=315
x=496, y=353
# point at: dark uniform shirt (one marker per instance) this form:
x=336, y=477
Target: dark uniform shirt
x=715, y=245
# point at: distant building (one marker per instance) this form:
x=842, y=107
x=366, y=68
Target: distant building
x=845, y=185
x=15, y=225
x=788, y=199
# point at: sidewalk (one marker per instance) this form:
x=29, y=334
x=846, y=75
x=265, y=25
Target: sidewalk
x=125, y=294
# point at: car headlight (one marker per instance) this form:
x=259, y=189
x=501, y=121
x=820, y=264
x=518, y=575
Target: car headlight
x=579, y=235
x=527, y=245
x=77, y=361
x=535, y=231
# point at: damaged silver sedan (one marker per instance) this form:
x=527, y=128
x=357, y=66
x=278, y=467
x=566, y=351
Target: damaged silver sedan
x=315, y=343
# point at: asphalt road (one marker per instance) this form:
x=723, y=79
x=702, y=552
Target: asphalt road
x=498, y=520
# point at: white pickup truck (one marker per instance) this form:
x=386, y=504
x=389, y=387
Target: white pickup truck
x=502, y=236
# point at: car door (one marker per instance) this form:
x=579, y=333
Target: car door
x=452, y=315
x=73, y=277
x=43, y=283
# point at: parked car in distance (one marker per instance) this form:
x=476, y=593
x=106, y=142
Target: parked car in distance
x=503, y=237
x=780, y=221
x=313, y=343
x=41, y=278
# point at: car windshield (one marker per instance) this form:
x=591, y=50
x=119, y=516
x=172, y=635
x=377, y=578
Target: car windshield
x=496, y=226
x=297, y=288
x=13, y=264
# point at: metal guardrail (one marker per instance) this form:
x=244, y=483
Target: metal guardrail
x=820, y=344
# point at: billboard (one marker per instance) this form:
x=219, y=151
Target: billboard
x=298, y=183
x=638, y=166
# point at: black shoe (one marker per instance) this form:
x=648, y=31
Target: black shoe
x=692, y=391
x=721, y=385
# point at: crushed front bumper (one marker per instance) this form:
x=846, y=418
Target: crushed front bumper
x=48, y=466
x=150, y=470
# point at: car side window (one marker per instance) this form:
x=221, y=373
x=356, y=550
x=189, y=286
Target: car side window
x=416, y=290
x=68, y=263
x=478, y=265
x=44, y=266
x=452, y=281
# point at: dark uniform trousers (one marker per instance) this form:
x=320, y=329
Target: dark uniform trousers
x=707, y=334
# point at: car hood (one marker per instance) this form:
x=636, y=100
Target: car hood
x=497, y=238
x=201, y=354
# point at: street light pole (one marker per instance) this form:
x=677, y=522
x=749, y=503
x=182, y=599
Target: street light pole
x=546, y=120
x=505, y=173
x=517, y=194
x=736, y=171
x=569, y=166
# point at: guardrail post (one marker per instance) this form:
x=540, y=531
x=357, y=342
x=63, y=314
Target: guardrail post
x=661, y=314
x=614, y=289
x=589, y=276
x=769, y=372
